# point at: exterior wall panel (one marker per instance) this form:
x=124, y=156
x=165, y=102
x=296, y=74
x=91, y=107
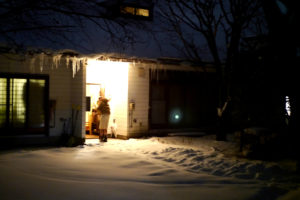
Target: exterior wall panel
x=138, y=93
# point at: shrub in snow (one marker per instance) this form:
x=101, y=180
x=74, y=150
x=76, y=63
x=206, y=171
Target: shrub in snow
x=258, y=142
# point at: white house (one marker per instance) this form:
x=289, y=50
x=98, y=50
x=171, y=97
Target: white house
x=43, y=95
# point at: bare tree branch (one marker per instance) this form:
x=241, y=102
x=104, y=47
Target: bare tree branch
x=213, y=21
x=22, y=21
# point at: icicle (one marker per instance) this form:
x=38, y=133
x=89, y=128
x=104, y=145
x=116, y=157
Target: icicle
x=73, y=66
x=56, y=60
x=67, y=61
x=41, y=57
x=49, y=62
x=32, y=62
x=155, y=68
x=78, y=65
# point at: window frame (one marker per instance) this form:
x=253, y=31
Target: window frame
x=8, y=130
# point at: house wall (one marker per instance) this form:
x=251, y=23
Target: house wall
x=138, y=93
x=78, y=101
x=68, y=89
x=119, y=114
x=60, y=80
x=63, y=88
x=117, y=90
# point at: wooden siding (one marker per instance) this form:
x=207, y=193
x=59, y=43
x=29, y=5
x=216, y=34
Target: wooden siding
x=63, y=88
x=138, y=92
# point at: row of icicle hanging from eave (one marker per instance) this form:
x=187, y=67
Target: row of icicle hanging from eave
x=43, y=60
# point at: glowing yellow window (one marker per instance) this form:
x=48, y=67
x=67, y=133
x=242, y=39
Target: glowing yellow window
x=128, y=10
x=17, y=106
x=22, y=104
x=3, y=93
x=142, y=12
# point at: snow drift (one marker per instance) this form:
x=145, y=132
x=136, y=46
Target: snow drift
x=156, y=168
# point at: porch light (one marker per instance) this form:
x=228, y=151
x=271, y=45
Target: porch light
x=175, y=116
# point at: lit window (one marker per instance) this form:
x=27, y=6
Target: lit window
x=142, y=12
x=133, y=11
x=3, y=94
x=23, y=104
x=128, y=10
x=17, y=108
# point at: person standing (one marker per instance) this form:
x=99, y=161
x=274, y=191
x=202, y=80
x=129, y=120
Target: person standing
x=104, y=110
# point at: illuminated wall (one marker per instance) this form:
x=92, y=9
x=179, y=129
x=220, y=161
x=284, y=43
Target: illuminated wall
x=138, y=93
x=113, y=76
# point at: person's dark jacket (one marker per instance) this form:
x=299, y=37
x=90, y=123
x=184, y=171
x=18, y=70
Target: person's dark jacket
x=103, y=107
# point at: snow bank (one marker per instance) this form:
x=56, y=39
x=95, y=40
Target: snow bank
x=219, y=158
x=155, y=168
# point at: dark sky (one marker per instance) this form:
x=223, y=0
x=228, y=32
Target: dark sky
x=89, y=38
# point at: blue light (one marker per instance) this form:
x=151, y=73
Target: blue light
x=175, y=116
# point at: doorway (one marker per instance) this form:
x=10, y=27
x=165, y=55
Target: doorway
x=110, y=80
x=92, y=95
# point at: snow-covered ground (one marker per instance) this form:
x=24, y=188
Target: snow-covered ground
x=176, y=167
